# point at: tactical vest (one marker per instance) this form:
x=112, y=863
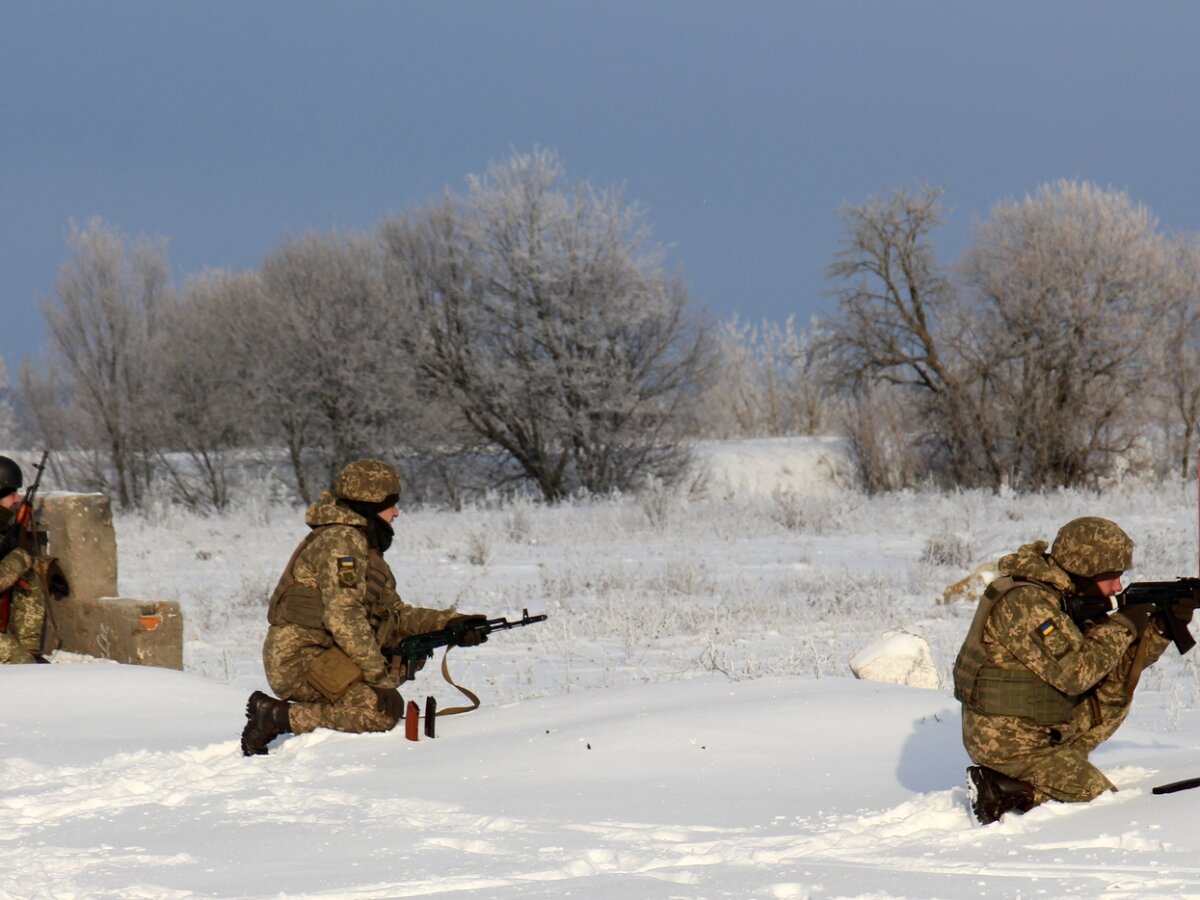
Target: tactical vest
x=296, y=603
x=986, y=688
x=378, y=582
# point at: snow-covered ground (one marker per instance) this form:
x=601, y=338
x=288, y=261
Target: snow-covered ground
x=684, y=725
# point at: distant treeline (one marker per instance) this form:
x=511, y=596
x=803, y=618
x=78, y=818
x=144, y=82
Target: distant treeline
x=525, y=335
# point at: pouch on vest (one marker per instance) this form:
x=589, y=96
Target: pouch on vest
x=293, y=603
x=332, y=673
x=1018, y=692
x=297, y=604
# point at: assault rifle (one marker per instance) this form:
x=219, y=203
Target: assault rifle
x=1163, y=595
x=417, y=648
x=28, y=537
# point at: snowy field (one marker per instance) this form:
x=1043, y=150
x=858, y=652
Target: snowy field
x=685, y=724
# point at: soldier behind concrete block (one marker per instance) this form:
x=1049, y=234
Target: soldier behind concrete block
x=22, y=601
x=1041, y=691
x=334, y=608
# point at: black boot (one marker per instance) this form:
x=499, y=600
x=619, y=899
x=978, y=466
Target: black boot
x=266, y=719
x=993, y=794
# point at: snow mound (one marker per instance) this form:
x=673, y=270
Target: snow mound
x=814, y=466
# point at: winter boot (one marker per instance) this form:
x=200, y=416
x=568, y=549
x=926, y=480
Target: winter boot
x=993, y=794
x=266, y=719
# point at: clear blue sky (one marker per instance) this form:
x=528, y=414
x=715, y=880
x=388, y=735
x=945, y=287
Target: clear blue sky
x=742, y=126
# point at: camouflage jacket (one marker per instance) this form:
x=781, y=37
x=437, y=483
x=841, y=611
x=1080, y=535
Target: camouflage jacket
x=337, y=590
x=16, y=566
x=22, y=640
x=1026, y=640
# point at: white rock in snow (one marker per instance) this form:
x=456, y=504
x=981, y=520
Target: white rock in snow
x=898, y=657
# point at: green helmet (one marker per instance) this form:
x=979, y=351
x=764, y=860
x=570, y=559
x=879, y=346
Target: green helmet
x=1092, y=546
x=10, y=476
x=369, y=481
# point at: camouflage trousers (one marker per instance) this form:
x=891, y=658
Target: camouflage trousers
x=287, y=654
x=358, y=710
x=1053, y=758
x=11, y=651
x=24, y=636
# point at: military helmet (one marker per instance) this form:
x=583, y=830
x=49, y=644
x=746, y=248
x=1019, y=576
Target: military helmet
x=369, y=481
x=1091, y=546
x=10, y=476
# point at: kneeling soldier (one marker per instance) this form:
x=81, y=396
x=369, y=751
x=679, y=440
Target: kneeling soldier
x=333, y=610
x=1041, y=691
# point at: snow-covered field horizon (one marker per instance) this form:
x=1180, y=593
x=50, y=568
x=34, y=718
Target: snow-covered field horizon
x=685, y=724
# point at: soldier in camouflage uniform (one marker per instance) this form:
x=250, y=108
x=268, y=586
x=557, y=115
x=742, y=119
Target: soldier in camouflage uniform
x=22, y=600
x=334, y=608
x=1041, y=691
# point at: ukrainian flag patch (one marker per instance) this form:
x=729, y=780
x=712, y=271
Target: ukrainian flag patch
x=347, y=576
x=1046, y=628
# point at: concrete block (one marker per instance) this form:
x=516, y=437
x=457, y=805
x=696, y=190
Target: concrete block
x=79, y=532
x=141, y=632
x=91, y=618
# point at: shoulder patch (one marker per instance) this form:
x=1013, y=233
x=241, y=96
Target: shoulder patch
x=347, y=571
x=1053, y=639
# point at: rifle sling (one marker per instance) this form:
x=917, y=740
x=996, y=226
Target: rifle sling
x=1137, y=665
x=455, y=710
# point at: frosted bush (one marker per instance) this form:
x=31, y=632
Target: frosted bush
x=947, y=549
x=656, y=500
x=479, y=548
x=805, y=513
x=518, y=523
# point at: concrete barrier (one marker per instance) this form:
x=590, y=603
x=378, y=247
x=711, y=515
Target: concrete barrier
x=91, y=618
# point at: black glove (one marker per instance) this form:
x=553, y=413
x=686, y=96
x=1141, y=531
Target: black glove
x=391, y=704
x=469, y=637
x=1181, y=611
x=1139, y=615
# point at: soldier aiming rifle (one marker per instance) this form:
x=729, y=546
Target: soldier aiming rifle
x=1050, y=664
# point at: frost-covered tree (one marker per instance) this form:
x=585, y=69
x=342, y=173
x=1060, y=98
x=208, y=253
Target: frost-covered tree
x=326, y=370
x=8, y=418
x=1070, y=285
x=1032, y=368
x=892, y=292
x=93, y=395
x=768, y=381
x=1176, y=383
x=202, y=357
x=900, y=326
x=542, y=312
